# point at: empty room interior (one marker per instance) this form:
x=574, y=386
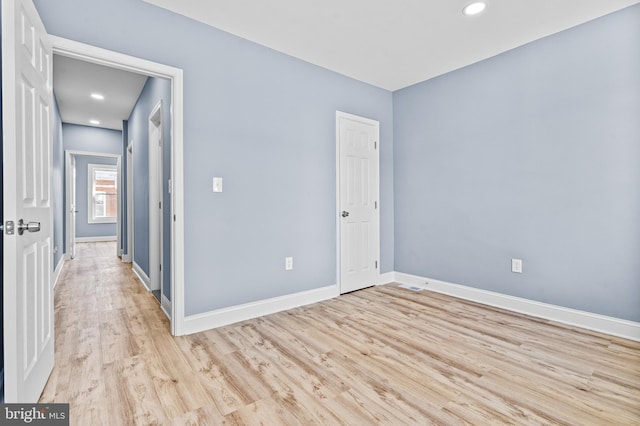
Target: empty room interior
x=340, y=212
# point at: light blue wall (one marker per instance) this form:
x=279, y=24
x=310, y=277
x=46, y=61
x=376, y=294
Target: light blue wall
x=533, y=154
x=83, y=227
x=266, y=123
x=155, y=89
x=57, y=174
x=91, y=139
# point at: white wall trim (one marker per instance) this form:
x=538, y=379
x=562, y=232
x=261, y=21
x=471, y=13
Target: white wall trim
x=96, y=239
x=233, y=314
x=165, y=304
x=590, y=321
x=386, y=278
x=58, y=270
x=142, y=276
x=126, y=258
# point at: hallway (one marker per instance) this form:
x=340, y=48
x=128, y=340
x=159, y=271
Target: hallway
x=105, y=320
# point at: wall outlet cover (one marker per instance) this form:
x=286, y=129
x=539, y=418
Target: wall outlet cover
x=516, y=266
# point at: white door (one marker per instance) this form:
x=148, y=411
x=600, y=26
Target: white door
x=129, y=256
x=26, y=108
x=73, y=208
x=358, y=213
x=155, y=197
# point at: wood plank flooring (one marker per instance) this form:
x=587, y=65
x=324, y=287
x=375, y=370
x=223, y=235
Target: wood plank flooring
x=383, y=355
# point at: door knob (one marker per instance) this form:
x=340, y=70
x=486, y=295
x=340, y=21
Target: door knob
x=345, y=213
x=31, y=227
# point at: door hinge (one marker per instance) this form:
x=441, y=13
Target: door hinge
x=376, y=264
x=375, y=205
x=174, y=217
x=375, y=144
x=159, y=204
x=161, y=267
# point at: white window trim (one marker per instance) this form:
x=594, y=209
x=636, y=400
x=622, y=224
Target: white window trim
x=90, y=210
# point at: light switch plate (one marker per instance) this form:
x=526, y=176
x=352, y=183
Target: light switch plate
x=217, y=184
x=516, y=266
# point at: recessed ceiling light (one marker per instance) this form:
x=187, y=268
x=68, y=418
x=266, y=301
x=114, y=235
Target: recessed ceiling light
x=96, y=122
x=97, y=96
x=474, y=8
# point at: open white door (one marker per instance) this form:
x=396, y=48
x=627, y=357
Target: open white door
x=155, y=198
x=358, y=213
x=73, y=206
x=26, y=109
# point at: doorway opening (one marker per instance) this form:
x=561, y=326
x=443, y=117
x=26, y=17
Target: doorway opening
x=168, y=172
x=94, y=207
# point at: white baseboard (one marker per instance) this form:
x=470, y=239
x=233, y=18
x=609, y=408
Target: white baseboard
x=126, y=258
x=58, y=270
x=96, y=239
x=386, y=278
x=144, y=278
x=233, y=314
x=601, y=323
x=165, y=304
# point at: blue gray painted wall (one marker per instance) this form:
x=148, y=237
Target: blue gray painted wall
x=155, y=90
x=83, y=227
x=533, y=154
x=57, y=177
x=91, y=139
x=265, y=122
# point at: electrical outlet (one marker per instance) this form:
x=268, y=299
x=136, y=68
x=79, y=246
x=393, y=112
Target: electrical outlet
x=288, y=263
x=516, y=266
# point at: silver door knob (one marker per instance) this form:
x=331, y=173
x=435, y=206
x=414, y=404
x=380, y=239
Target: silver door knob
x=345, y=213
x=31, y=227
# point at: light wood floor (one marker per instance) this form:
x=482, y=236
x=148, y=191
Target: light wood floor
x=383, y=355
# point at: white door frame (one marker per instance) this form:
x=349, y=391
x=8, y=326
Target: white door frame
x=70, y=206
x=67, y=202
x=155, y=180
x=85, y=52
x=375, y=244
x=128, y=257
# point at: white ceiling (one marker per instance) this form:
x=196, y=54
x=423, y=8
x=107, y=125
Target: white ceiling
x=74, y=81
x=391, y=43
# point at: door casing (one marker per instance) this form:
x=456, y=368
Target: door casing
x=85, y=52
x=69, y=185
